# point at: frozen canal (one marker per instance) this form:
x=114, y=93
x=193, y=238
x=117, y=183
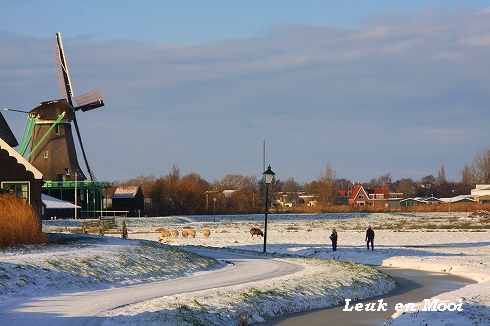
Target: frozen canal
x=413, y=286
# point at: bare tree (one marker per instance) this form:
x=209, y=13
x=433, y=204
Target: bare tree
x=481, y=166
x=406, y=186
x=380, y=181
x=441, y=175
x=325, y=186
x=467, y=176
x=290, y=185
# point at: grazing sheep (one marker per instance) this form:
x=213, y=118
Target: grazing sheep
x=175, y=233
x=188, y=233
x=164, y=235
x=256, y=231
x=206, y=233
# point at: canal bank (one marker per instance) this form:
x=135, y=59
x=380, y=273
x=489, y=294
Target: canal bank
x=412, y=286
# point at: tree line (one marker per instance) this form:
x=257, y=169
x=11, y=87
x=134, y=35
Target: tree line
x=174, y=193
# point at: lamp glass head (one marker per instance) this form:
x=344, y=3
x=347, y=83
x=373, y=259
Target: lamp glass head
x=269, y=175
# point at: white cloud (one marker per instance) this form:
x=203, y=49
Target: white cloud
x=409, y=72
x=478, y=40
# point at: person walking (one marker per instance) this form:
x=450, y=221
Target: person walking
x=370, y=237
x=333, y=238
x=124, y=230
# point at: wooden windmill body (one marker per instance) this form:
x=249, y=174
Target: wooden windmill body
x=56, y=157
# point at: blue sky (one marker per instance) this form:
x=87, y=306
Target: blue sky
x=372, y=87
x=189, y=22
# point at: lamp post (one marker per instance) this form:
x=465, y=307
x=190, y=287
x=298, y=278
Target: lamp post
x=268, y=178
x=214, y=209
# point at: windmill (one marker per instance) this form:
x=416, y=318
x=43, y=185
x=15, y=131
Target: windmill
x=50, y=135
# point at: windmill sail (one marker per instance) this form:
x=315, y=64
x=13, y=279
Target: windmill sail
x=89, y=101
x=63, y=70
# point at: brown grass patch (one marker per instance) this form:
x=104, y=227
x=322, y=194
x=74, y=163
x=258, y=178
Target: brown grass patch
x=19, y=224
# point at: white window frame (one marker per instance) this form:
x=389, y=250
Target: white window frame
x=16, y=182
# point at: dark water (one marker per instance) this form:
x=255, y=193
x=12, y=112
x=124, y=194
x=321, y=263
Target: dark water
x=413, y=286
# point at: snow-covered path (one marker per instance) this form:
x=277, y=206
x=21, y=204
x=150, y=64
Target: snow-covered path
x=82, y=308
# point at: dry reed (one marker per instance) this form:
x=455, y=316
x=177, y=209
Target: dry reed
x=19, y=224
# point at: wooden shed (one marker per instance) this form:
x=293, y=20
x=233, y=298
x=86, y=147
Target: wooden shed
x=17, y=175
x=129, y=198
x=55, y=208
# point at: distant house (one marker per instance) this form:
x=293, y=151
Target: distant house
x=129, y=198
x=309, y=200
x=17, y=175
x=57, y=208
x=380, y=197
x=481, y=193
x=409, y=202
x=359, y=197
x=228, y=193
x=458, y=199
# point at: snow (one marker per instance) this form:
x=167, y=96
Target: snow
x=55, y=203
x=457, y=199
x=476, y=302
x=319, y=284
x=87, y=263
x=262, y=287
x=452, y=243
x=456, y=243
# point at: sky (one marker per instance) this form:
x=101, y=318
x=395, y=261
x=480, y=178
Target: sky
x=372, y=87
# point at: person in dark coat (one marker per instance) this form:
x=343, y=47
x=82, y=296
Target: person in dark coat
x=370, y=237
x=333, y=238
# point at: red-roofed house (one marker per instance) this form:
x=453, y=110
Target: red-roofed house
x=380, y=197
x=359, y=196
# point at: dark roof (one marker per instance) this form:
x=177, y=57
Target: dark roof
x=126, y=192
x=6, y=133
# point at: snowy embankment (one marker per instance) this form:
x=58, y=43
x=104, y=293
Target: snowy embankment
x=449, y=243
x=89, y=262
x=319, y=284
x=475, y=299
x=469, y=262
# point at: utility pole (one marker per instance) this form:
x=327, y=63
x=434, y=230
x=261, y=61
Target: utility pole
x=76, y=195
x=263, y=156
x=264, y=250
x=214, y=209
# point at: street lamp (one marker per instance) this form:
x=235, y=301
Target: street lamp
x=268, y=178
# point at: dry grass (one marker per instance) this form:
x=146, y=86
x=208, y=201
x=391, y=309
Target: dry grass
x=439, y=207
x=19, y=224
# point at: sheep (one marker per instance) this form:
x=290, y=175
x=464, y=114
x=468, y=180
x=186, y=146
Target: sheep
x=206, y=233
x=188, y=233
x=256, y=231
x=164, y=235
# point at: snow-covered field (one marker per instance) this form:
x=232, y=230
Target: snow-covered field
x=439, y=242
x=263, y=287
x=82, y=263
